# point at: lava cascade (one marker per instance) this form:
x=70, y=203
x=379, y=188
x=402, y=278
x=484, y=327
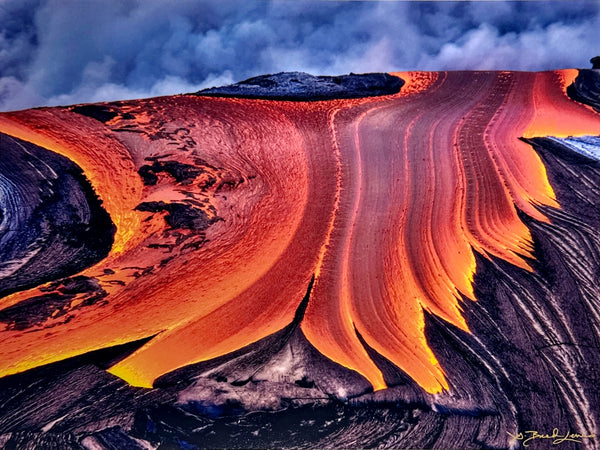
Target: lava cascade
x=226, y=208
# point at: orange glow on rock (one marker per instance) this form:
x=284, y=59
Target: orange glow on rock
x=554, y=113
x=104, y=160
x=385, y=200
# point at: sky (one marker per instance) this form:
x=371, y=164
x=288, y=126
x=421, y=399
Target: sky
x=60, y=52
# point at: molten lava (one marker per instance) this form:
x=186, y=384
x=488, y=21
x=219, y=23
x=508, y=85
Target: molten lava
x=385, y=200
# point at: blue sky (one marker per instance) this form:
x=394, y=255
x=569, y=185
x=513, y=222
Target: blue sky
x=71, y=51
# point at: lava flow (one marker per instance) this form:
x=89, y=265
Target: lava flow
x=226, y=208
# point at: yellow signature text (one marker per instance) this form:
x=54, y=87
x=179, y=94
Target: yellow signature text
x=556, y=437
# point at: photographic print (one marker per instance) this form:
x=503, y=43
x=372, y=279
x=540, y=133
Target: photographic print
x=257, y=224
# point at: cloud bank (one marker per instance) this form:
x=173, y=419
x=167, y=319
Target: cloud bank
x=72, y=51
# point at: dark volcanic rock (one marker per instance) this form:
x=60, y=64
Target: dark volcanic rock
x=284, y=363
x=586, y=88
x=304, y=87
x=595, y=62
x=241, y=400
x=182, y=173
x=56, y=303
x=180, y=215
x=533, y=351
x=71, y=397
x=580, y=150
x=332, y=425
x=102, y=113
x=52, y=223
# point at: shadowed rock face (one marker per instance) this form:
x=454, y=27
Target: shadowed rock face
x=52, y=223
x=586, y=88
x=420, y=270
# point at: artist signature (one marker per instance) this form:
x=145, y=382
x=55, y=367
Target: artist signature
x=556, y=436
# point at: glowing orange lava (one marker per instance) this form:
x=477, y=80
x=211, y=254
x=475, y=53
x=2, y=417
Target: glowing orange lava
x=383, y=199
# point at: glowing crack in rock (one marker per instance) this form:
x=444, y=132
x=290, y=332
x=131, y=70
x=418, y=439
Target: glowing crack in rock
x=226, y=208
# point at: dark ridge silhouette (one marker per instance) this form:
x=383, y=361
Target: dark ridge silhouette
x=299, y=86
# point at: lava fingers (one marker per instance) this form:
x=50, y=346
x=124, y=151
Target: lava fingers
x=225, y=209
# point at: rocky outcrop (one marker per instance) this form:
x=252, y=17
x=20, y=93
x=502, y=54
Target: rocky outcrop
x=52, y=223
x=300, y=86
x=586, y=88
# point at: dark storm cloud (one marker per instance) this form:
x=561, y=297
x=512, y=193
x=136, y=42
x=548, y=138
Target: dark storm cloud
x=67, y=51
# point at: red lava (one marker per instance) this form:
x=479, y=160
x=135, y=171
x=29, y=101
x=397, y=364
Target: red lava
x=385, y=200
